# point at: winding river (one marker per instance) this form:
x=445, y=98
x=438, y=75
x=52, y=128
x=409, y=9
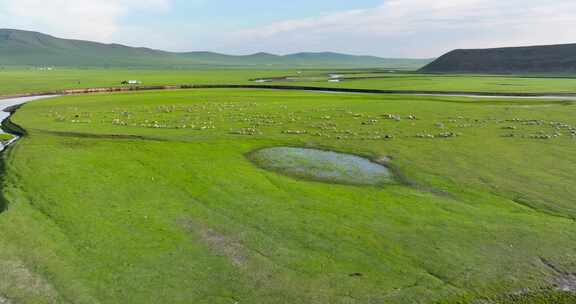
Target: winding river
x=7, y=105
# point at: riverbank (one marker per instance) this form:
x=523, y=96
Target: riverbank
x=471, y=94
x=9, y=107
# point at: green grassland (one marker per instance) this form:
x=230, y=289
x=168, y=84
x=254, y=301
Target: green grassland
x=21, y=80
x=151, y=198
x=509, y=84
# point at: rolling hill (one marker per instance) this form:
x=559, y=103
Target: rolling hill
x=18, y=48
x=548, y=59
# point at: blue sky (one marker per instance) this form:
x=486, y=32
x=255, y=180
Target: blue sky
x=388, y=28
x=253, y=13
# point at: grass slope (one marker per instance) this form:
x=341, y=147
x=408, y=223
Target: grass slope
x=19, y=48
x=149, y=198
x=551, y=59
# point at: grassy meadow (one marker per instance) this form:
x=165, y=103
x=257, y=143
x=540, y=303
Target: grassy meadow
x=26, y=80
x=150, y=197
x=20, y=80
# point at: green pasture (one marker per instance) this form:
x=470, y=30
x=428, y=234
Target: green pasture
x=151, y=198
x=20, y=80
x=15, y=81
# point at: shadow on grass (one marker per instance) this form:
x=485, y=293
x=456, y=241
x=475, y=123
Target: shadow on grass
x=9, y=127
x=102, y=136
x=3, y=200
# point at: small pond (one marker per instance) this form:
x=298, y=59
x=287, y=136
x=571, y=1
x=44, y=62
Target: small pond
x=322, y=166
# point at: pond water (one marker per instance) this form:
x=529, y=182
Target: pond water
x=322, y=166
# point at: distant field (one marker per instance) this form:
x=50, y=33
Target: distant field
x=25, y=80
x=150, y=198
x=433, y=82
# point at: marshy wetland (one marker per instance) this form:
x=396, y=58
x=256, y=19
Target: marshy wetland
x=261, y=196
x=323, y=166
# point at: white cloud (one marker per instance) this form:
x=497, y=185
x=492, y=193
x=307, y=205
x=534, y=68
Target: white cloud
x=422, y=27
x=86, y=19
x=398, y=28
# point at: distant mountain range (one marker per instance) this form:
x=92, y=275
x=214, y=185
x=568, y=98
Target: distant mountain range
x=25, y=48
x=548, y=59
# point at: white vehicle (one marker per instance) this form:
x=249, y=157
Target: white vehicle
x=132, y=82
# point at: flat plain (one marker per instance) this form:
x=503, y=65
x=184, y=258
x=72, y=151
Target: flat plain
x=20, y=80
x=152, y=197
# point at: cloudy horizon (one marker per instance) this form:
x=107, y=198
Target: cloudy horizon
x=391, y=28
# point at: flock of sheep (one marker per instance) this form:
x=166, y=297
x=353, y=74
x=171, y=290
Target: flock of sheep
x=249, y=119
